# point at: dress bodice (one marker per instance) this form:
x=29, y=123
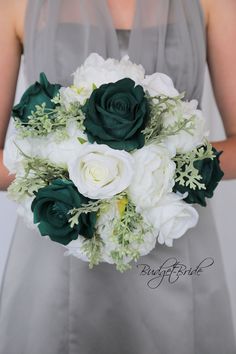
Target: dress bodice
x=167, y=36
x=123, y=37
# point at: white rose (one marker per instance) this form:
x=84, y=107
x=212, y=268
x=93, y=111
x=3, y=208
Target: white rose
x=159, y=84
x=12, y=156
x=184, y=141
x=100, y=172
x=153, y=175
x=171, y=218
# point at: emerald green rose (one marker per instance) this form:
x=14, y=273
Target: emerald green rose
x=115, y=115
x=211, y=175
x=51, y=206
x=37, y=94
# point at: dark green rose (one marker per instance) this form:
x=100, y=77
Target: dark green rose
x=51, y=206
x=115, y=115
x=211, y=175
x=36, y=94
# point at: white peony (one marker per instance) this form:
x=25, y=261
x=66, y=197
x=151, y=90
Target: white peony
x=129, y=69
x=100, y=172
x=97, y=71
x=24, y=210
x=171, y=218
x=153, y=175
x=159, y=84
x=105, y=225
x=58, y=152
x=184, y=141
x=12, y=156
x=75, y=248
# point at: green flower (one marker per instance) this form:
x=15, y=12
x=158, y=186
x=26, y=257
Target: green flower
x=115, y=115
x=51, y=206
x=37, y=94
x=211, y=175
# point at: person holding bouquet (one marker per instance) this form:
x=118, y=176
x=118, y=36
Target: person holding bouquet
x=174, y=299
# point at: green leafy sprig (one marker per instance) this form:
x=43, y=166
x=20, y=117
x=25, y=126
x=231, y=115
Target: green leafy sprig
x=38, y=173
x=186, y=174
x=159, y=106
x=44, y=121
x=128, y=232
x=93, y=249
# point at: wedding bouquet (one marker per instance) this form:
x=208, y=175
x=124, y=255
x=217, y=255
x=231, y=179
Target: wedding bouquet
x=112, y=164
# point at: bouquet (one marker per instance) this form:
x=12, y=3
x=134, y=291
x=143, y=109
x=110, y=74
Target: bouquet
x=111, y=165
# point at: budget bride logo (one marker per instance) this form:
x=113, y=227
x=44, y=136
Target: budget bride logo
x=172, y=270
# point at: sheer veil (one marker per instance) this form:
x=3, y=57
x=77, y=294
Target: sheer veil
x=177, y=38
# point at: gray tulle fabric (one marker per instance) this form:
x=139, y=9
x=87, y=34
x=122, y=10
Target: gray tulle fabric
x=51, y=304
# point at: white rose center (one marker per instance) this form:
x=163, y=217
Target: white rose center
x=99, y=171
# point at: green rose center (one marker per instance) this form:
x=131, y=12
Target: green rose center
x=57, y=214
x=115, y=115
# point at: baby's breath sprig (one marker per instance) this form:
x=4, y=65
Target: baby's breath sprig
x=37, y=173
x=44, y=121
x=93, y=249
x=23, y=187
x=128, y=233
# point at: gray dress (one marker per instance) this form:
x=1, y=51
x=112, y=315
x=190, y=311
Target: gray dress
x=51, y=304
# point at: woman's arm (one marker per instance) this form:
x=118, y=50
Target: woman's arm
x=10, y=49
x=221, y=38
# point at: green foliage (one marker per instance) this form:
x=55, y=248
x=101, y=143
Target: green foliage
x=38, y=173
x=44, y=121
x=128, y=234
x=93, y=249
x=91, y=206
x=188, y=175
x=159, y=106
x=23, y=187
x=128, y=231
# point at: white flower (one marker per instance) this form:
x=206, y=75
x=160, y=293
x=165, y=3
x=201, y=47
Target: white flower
x=184, y=141
x=71, y=94
x=12, y=156
x=97, y=71
x=171, y=218
x=105, y=226
x=148, y=244
x=24, y=210
x=129, y=69
x=153, y=175
x=75, y=248
x=58, y=152
x=100, y=172
x=159, y=84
